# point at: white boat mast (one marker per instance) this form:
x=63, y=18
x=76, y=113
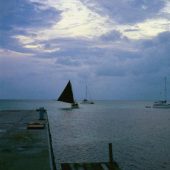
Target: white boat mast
x=165, y=89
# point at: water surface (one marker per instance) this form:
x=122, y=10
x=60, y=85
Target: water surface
x=140, y=136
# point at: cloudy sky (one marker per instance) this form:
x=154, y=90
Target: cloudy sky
x=120, y=49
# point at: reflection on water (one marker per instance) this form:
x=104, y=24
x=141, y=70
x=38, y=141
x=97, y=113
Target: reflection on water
x=140, y=136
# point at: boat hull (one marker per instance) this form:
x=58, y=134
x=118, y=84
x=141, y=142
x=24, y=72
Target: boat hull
x=165, y=106
x=87, y=102
x=74, y=106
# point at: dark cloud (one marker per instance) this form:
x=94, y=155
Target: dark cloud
x=155, y=55
x=72, y=48
x=16, y=15
x=112, y=36
x=162, y=38
x=127, y=11
x=22, y=13
x=137, y=74
x=10, y=43
x=152, y=58
x=157, y=51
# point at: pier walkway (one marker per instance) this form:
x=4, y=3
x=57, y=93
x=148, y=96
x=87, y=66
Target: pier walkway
x=22, y=148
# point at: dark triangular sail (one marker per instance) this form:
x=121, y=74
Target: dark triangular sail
x=67, y=94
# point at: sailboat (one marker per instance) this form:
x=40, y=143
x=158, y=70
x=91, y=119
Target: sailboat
x=67, y=96
x=162, y=103
x=85, y=100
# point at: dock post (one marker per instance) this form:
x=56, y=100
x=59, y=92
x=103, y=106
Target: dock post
x=111, y=163
x=110, y=153
x=42, y=112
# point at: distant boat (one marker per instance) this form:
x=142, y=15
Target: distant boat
x=85, y=100
x=147, y=106
x=67, y=96
x=162, y=103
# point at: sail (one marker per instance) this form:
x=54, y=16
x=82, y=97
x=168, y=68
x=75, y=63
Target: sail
x=67, y=94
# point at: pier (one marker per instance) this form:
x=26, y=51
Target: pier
x=110, y=165
x=89, y=166
x=24, y=141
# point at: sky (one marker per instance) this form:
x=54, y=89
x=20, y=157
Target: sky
x=120, y=49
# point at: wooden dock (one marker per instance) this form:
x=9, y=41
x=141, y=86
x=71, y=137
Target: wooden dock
x=22, y=147
x=90, y=166
x=111, y=165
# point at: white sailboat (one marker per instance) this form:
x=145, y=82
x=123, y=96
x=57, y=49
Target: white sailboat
x=85, y=100
x=67, y=96
x=162, y=103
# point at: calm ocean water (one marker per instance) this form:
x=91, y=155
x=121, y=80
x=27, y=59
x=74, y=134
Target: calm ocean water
x=140, y=136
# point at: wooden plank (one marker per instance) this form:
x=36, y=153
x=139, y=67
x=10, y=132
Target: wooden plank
x=65, y=167
x=36, y=125
x=90, y=166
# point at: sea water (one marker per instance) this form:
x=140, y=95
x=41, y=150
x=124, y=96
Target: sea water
x=140, y=136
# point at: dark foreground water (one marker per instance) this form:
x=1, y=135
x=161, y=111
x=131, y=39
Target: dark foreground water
x=140, y=136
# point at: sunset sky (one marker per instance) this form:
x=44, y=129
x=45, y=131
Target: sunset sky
x=120, y=49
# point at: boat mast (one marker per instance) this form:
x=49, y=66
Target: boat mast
x=165, y=89
x=86, y=92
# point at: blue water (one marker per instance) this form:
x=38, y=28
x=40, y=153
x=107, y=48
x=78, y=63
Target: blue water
x=140, y=136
